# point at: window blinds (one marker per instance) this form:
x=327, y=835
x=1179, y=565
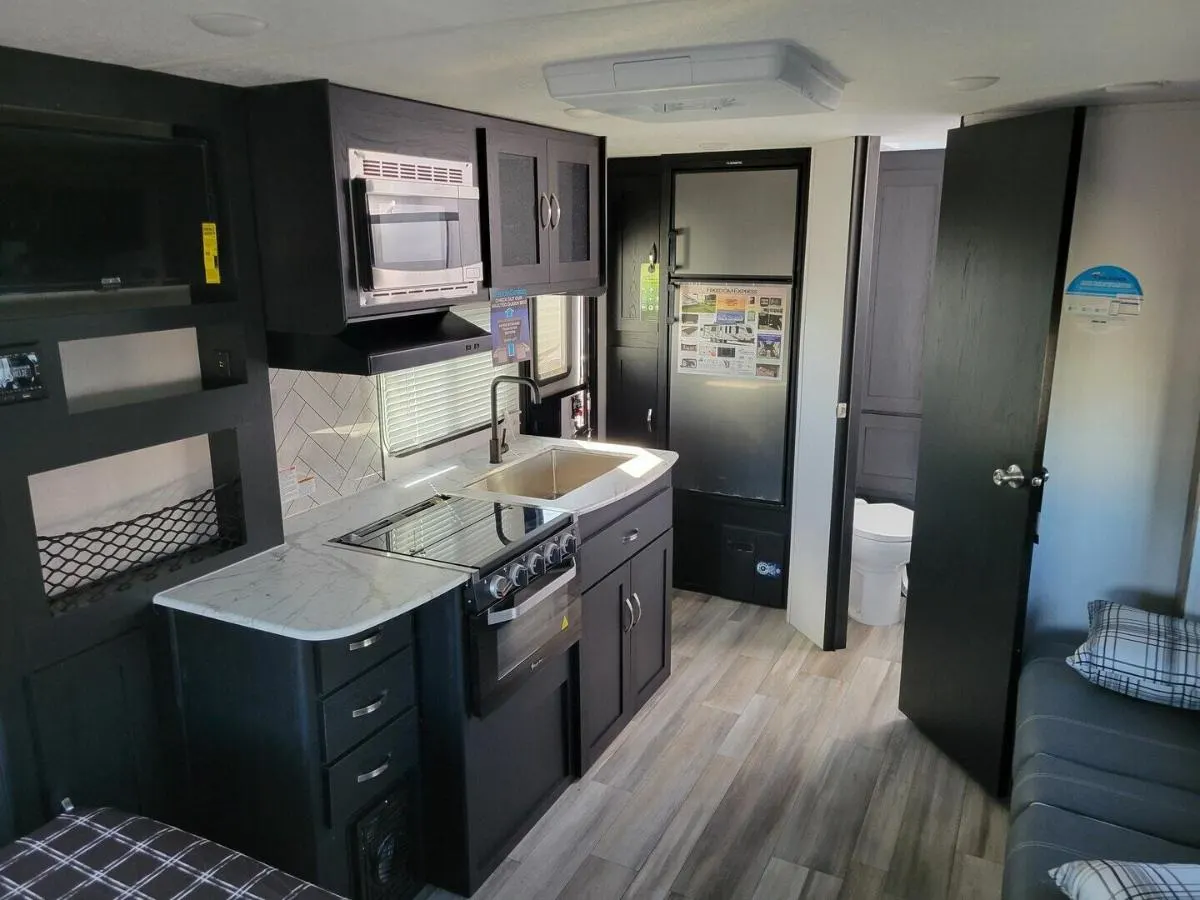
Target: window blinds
x=429, y=404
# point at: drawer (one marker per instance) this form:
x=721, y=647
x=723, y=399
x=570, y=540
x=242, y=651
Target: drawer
x=607, y=549
x=339, y=661
x=369, y=769
x=366, y=703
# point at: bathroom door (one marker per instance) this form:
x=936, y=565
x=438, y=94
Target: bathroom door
x=991, y=329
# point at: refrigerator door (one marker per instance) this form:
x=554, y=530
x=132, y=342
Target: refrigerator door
x=735, y=223
x=729, y=387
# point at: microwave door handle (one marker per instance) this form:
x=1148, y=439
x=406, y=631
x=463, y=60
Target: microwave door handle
x=499, y=617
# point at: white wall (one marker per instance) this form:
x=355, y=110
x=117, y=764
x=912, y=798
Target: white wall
x=1125, y=404
x=822, y=309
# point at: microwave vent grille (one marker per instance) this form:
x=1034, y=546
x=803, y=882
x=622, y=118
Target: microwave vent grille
x=395, y=170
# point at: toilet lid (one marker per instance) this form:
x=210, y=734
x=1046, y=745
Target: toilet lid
x=883, y=522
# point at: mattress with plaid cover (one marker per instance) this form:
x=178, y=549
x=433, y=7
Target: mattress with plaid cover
x=104, y=854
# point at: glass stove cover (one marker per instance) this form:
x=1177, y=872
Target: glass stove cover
x=453, y=530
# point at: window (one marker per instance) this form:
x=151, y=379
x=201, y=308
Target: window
x=557, y=339
x=432, y=404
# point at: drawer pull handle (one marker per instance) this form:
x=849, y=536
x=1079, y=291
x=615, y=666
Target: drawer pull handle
x=630, y=537
x=369, y=641
x=370, y=707
x=376, y=772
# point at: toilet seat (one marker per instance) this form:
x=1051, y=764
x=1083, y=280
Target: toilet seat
x=886, y=523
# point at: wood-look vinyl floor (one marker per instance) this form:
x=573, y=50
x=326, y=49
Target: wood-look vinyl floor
x=765, y=769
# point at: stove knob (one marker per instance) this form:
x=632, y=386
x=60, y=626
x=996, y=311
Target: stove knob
x=569, y=544
x=553, y=554
x=536, y=563
x=498, y=586
x=518, y=575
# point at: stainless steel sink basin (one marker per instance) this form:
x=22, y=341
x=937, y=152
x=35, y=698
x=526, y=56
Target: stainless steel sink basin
x=551, y=473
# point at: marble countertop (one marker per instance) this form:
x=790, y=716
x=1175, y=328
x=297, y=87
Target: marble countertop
x=312, y=590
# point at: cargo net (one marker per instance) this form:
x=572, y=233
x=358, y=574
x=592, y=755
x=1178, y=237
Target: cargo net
x=80, y=568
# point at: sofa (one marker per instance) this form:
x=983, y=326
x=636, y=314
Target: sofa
x=1096, y=775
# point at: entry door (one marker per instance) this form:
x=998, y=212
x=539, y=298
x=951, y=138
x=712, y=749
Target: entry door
x=991, y=327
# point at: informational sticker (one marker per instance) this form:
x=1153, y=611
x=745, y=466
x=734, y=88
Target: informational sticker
x=566, y=623
x=735, y=331
x=293, y=486
x=649, y=290
x=208, y=241
x=1104, y=297
x=769, y=569
x=511, y=340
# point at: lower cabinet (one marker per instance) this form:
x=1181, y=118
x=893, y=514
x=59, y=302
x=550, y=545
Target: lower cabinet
x=305, y=754
x=625, y=651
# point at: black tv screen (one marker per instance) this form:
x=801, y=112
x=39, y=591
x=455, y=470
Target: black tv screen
x=20, y=375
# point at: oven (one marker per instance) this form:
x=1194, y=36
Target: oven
x=515, y=636
x=417, y=228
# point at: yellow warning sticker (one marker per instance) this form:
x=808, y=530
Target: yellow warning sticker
x=208, y=237
x=565, y=624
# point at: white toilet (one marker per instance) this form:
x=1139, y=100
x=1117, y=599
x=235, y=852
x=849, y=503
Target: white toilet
x=882, y=542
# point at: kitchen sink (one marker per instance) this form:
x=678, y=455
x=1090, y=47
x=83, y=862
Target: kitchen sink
x=551, y=473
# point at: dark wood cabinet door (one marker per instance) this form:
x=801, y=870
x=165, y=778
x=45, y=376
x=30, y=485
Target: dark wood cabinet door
x=518, y=191
x=604, y=662
x=574, y=170
x=100, y=746
x=650, y=637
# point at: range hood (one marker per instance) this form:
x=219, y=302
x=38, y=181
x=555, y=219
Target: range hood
x=380, y=345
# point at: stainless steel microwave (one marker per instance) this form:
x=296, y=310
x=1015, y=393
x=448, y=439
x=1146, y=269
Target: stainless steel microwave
x=417, y=228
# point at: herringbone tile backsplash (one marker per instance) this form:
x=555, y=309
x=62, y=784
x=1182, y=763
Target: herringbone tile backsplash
x=327, y=427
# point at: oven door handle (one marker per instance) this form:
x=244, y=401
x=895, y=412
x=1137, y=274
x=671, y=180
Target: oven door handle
x=499, y=617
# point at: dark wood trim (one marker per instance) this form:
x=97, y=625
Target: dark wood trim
x=859, y=264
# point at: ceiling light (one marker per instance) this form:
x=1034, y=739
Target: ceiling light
x=228, y=24
x=973, y=82
x=1135, y=87
x=578, y=112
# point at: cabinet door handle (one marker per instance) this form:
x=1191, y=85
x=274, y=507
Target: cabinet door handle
x=376, y=772
x=628, y=628
x=555, y=211
x=631, y=537
x=544, y=211
x=369, y=641
x=638, y=601
x=370, y=708
x=650, y=419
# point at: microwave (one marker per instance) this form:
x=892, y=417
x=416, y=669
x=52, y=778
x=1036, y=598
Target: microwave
x=416, y=229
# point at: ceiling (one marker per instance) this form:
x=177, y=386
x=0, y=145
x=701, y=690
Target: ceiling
x=487, y=55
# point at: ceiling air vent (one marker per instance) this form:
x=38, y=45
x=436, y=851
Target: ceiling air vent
x=727, y=81
x=393, y=167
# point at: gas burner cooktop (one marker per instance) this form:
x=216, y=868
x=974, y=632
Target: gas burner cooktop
x=470, y=535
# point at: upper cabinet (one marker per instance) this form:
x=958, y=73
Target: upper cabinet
x=545, y=210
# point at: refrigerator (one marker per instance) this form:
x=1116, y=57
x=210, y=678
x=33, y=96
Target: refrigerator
x=732, y=264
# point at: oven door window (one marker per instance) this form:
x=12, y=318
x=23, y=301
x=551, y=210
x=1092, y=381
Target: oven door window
x=414, y=234
x=518, y=640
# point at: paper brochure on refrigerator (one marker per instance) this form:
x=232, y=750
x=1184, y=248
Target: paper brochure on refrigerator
x=734, y=331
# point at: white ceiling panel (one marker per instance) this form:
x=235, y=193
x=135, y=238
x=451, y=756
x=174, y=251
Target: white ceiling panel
x=488, y=54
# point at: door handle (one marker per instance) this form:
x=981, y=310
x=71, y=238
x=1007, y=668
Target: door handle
x=369, y=641
x=672, y=247
x=650, y=419
x=376, y=772
x=628, y=628
x=1013, y=477
x=1040, y=478
x=370, y=708
x=638, y=601
x=555, y=211
x=543, y=211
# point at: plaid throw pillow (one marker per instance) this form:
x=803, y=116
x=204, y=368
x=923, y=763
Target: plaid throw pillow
x=1141, y=654
x=1103, y=880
